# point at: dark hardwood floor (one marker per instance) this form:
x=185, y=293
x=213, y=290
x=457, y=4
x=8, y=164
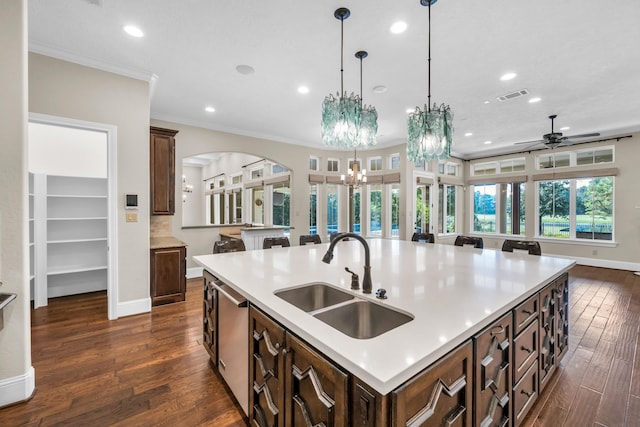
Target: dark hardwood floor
x=151, y=369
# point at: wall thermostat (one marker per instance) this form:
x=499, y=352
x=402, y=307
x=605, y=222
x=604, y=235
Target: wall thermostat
x=131, y=201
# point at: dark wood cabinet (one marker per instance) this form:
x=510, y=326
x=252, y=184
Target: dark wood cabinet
x=547, y=336
x=210, y=317
x=162, y=171
x=266, y=371
x=561, y=293
x=493, y=375
x=440, y=395
x=168, y=274
x=292, y=384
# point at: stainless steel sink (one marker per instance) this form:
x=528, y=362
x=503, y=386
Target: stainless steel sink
x=363, y=319
x=314, y=296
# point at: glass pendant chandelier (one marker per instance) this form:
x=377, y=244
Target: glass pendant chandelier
x=341, y=114
x=369, y=121
x=429, y=130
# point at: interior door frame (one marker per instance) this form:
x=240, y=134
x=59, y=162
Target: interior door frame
x=111, y=132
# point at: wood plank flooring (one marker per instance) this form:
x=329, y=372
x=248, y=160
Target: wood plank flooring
x=151, y=369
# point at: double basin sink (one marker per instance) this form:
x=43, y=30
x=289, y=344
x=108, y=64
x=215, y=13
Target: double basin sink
x=353, y=316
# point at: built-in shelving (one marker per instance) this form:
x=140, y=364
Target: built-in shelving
x=71, y=232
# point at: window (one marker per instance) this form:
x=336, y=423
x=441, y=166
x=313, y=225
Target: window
x=512, y=165
x=423, y=208
x=575, y=158
x=333, y=165
x=592, y=157
x=354, y=209
x=446, y=168
x=357, y=162
x=237, y=202
x=375, y=210
x=499, y=208
x=395, y=210
x=277, y=168
x=313, y=209
x=257, y=173
x=314, y=164
x=257, y=205
x=281, y=197
x=554, y=160
x=332, y=208
x=446, y=208
x=394, y=161
x=375, y=164
x=236, y=179
x=484, y=168
x=576, y=208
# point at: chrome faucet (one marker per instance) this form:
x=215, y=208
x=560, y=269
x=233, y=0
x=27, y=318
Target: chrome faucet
x=366, y=280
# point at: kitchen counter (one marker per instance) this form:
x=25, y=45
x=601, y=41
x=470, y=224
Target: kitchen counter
x=165, y=242
x=452, y=293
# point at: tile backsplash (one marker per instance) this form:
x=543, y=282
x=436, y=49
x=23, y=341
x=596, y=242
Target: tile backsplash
x=161, y=226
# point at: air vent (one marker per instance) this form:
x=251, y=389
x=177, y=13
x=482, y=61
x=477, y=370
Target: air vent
x=510, y=96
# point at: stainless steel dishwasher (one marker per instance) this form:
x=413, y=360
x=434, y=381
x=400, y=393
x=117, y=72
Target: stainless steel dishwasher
x=233, y=342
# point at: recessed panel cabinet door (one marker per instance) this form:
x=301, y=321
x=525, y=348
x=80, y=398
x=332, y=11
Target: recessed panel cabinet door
x=266, y=371
x=547, y=336
x=316, y=390
x=162, y=166
x=561, y=290
x=440, y=395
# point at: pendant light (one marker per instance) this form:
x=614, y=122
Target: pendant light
x=341, y=114
x=369, y=121
x=429, y=130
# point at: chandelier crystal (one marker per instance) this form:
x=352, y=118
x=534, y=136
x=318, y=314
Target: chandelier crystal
x=345, y=123
x=430, y=130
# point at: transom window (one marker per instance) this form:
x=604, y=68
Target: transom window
x=333, y=165
x=375, y=164
x=550, y=160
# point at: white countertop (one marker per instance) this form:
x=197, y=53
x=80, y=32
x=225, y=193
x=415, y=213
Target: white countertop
x=452, y=292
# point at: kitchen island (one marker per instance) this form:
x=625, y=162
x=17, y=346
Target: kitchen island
x=453, y=295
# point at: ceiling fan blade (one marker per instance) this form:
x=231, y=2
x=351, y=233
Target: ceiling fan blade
x=584, y=135
x=535, y=141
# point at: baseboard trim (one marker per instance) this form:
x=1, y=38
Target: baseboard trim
x=194, y=272
x=138, y=306
x=17, y=389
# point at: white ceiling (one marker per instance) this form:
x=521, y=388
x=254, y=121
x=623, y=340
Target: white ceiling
x=582, y=57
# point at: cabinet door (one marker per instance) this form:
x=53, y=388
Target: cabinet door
x=162, y=167
x=316, y=391
x=210, y=318
x=266, y=371
x=168, y=275
x=561, y=291
x=547, y=336
x=441, y=395
x=493, y=373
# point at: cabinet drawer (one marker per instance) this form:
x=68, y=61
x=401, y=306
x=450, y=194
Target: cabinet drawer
x=525, y=394
x=525, y=313
x=525, y=350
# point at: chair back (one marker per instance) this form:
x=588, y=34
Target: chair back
x=532, y=247
x=423, y=237
x=468, y=240
x=232, y=245
x=270, y=242
x=313, y=239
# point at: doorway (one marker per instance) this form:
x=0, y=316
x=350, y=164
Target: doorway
x=72, y=209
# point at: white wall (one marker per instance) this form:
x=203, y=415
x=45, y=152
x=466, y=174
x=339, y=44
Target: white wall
x=64, y=89
x=191, y=204
x=16, y=373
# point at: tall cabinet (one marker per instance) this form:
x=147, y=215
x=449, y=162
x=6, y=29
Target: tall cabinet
x=163, y=170
x=70, y=232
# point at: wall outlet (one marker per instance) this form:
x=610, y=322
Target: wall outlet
x=132, y=216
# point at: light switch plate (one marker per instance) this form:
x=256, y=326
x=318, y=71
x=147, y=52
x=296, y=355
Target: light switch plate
x=132, y=216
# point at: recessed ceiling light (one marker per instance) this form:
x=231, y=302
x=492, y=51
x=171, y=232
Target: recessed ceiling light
x=398, y=27
x=534, y=100
x=303, y=89
x=468, y=134
x=487, y=102
x=565, y=128
x=245, y=69
x=487, y=142
x=508, y=76
x=210, y=109
x=133, y=31
x=380, y=89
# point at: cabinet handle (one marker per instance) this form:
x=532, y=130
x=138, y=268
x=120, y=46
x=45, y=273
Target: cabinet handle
x=528, y=350
x=528, y=394
x=497, y=330
x=527, y=312
x=277, y=346
x=284, y=352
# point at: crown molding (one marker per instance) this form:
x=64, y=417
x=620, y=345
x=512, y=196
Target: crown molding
x=64, y=55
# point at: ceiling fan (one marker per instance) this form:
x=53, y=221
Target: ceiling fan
x=555, y=139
